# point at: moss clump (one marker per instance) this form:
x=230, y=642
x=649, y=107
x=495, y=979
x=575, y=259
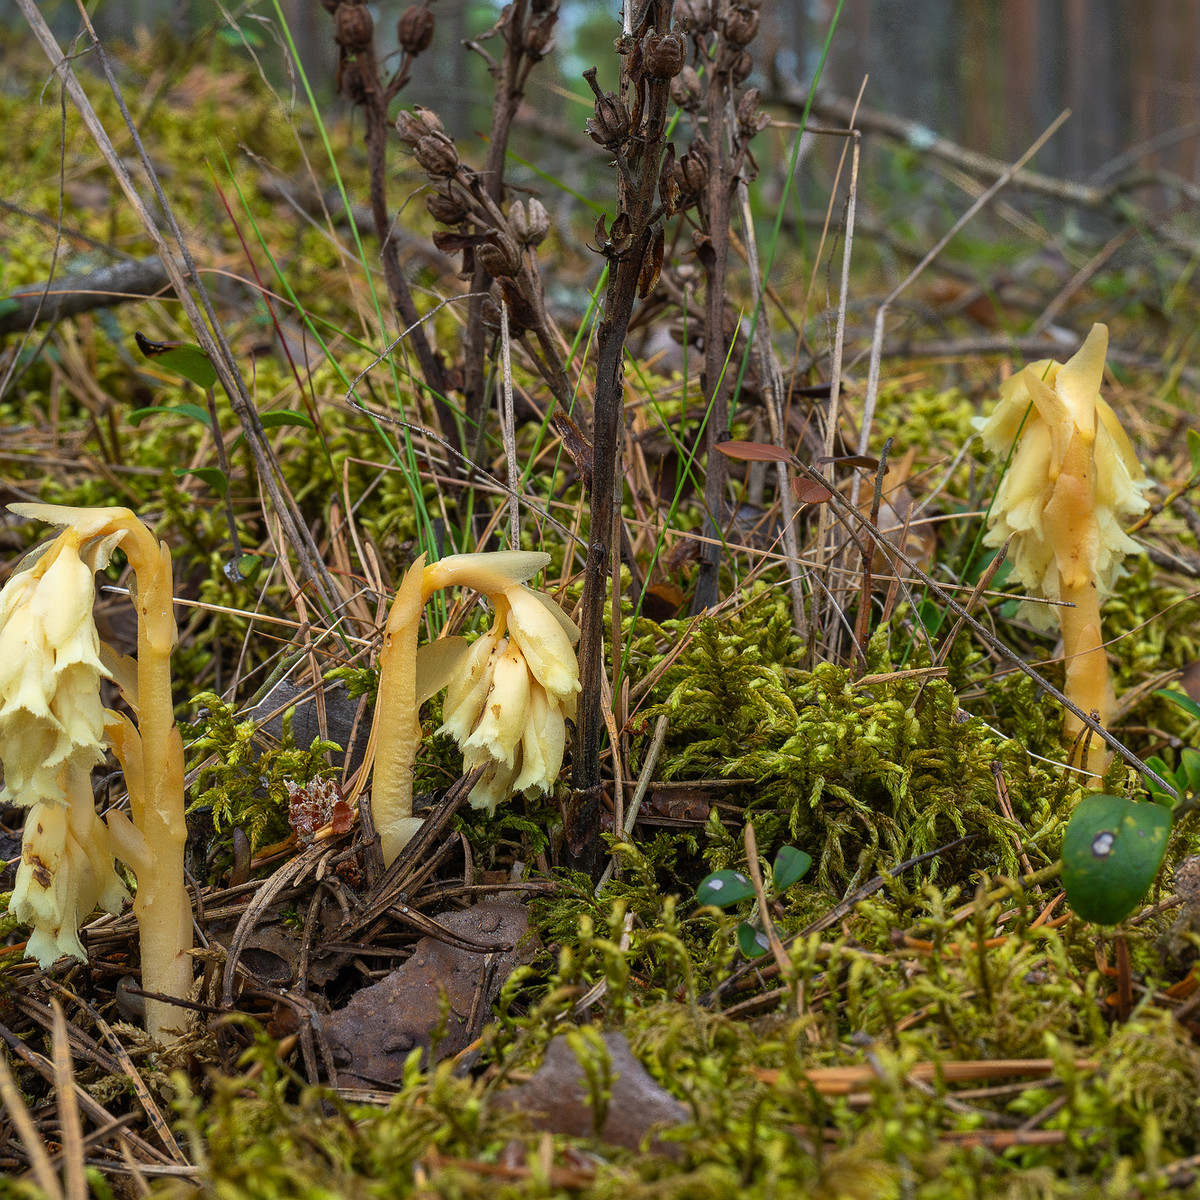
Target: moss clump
x=244, y=783
x=863, y=775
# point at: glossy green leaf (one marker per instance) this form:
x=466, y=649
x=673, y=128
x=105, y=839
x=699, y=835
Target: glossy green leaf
x=1188, y=705
x=725, y=888
x=1189, y=768
x=1160, y=768
x=213, y=476
x=172, y=410
x=181, y=358
x=752, y=942
x=790, y=865
x=1111, y=853
x=1193, y=444
x=271, y=419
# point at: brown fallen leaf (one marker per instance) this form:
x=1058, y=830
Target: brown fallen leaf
x=372, y=1035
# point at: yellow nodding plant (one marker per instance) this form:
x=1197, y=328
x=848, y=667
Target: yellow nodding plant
x=1072, y=484
x=53, y=730
x=509, y=693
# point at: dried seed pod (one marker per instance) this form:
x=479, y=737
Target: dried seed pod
x=750, y=120
x=691, y=173
x=620, y=237
x=528, y=226
x=518, y=223
x=668, y=189
x=651, y=264
x=437, y=155
x=501, y=256
x=432, y=121
x=609, y=124
x=663, y=54
x=539, y=38
x=686, y=89
x=414, y=30
x=353, y=26
x=741, y=25
x=539, y=222
x=694, y=15
x=742, y=66
x=445, y=208
x=411, y=128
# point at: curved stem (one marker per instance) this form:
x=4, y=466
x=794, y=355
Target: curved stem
x=162, y=906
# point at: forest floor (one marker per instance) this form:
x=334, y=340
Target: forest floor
x=893, y=996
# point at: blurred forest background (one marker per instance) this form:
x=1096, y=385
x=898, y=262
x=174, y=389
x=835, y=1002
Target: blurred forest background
x=988, y=74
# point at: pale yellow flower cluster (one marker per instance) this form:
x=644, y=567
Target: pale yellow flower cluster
x=1074, y=481
x=1071, y=486
x=508, y=697
x=508, y=709
x=51, y=735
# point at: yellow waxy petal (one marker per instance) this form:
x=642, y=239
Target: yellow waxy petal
x=1078, y=382
x=463, y=704
x=543, y=744
x=502, y=721
x=544, y=642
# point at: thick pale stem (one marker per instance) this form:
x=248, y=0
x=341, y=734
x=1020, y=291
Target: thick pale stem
x=1070, y=518
x=1088, y=682
x=163, y=909
x=397, y=728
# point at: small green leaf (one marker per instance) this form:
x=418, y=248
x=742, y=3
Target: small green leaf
x=752, y=942
x=725, y=889
x=1189, y=768
x=1188, y=705
x=1160, y=769
x=1111, y=853
x=172, y=410
x=182, y=358
x=271, y=419
x=1193, y=443
x=790, y=864
x=213, y=476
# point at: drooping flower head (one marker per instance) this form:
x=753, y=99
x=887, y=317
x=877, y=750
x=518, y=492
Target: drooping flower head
x=509, y=693
x=50, y=669
x=508, y=709
x=1074, y=481
x=1072, y=484
x=51, y=735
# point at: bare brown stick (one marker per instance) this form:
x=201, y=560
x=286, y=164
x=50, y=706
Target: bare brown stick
x=714, y=256
x=872, y=120
x=73, y=294
x=634, y=238
x=359, y=81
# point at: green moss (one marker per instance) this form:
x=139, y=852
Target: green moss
x=244, y=783
x=862, y=776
